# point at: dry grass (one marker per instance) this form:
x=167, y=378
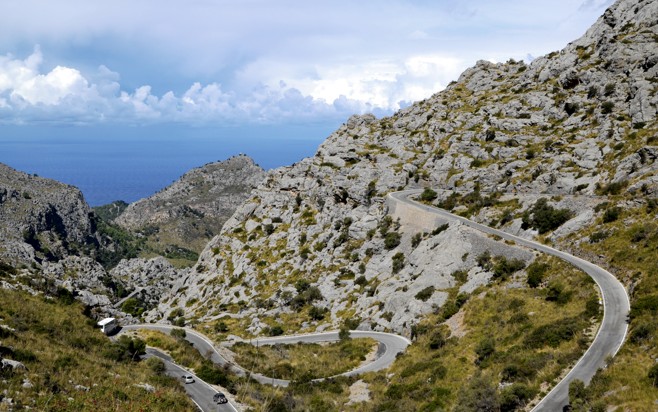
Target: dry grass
x=304, y=362
x=61, y=349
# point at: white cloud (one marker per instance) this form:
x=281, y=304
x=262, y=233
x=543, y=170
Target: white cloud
x=51, y=88
x=258, y=60
x=64, y=95
x=372, y=85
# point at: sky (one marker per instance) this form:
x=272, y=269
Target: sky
x=205, y=63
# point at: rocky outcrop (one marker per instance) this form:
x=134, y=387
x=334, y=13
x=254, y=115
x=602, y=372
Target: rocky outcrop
x=193, y=209
x=41, y=219
x=572, y=122
x=151, y=278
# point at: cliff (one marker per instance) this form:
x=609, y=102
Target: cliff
x=187, y=214
x=41, y=219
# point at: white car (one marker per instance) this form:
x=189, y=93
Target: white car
x=188, y=378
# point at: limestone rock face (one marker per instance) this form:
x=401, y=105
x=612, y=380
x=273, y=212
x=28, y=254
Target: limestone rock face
x=152, y=278
x=193, y=209
x=566, y=125
x=40, y=219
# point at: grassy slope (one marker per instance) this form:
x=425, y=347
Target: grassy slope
x=303, y=361
x=61, y=348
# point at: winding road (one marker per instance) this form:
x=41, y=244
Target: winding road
x=199, y=391
x=389, y=346
x=608, y=340
x=616, y=305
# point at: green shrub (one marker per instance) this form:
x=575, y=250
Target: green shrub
x=156, y=365
x=361, y=281
x=276, y=331
x=125, y=349
x=503, y=267
x=6, y=269
x=571, y=108
x=645, y=304
x=460, y=276
x=653, y=375
x=544, y=217
x=480, y=394
x=425, y=293
x=392, y=240
x=577, y=391
x=612, y=214
x=642, y=331
x=440, y=229
x=178, y=333
x=438, y=339
x=385, y=225
x=536, y=272
x=598, y=236
x=344, y=333
x=317, y=313
x=515, y=396
x=553, y=334
x=133, y=307
x=221, y=327
x=607, y=107
x=428, y=195
x=214, y=375
x=397, y=262
x=416, y=239
x=484, y=260
x=592, y=307
x=556, y=292
x=485, y=348
x=477, y=163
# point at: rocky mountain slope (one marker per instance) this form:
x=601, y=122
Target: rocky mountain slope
x=60, y=244
x=563, y=149
x=580, y=121
x=187, y=214
x=41, y=219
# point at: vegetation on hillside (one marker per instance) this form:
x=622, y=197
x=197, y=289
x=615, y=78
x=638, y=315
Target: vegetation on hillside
x=71, y=366
x=303, y=362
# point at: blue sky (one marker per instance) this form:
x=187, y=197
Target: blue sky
x=201, y=63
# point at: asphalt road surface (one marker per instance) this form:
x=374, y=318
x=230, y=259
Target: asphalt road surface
x=616, y=307
x=389, y=346
x=199, y=391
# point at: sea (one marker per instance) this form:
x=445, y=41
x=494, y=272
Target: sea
x=124, y=163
